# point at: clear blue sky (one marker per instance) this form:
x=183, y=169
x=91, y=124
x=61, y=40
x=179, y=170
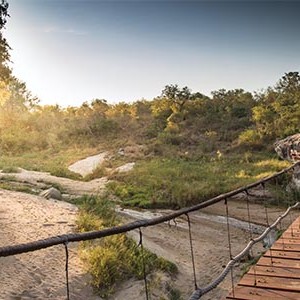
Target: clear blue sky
x=70, y=51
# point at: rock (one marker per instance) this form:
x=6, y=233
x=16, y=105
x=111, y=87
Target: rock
x=125, y=168
x=121, y=152
x=289, y=149
x=52, y=193
x=87, y=165
x=133, y=151
x=270, y=239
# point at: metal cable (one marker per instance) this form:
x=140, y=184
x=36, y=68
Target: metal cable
x=192, y=251
x=267, y=221
x=201, y=291
x=229, y=244
x=144, y=265
x=67, y=270
x=282, y=239
x=250, y=233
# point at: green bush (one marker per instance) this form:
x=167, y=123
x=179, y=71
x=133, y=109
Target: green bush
x=117, y=257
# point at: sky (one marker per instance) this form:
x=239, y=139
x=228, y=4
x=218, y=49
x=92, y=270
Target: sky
x=71, y=51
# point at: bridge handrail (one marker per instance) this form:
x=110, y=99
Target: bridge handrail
x=201, y=291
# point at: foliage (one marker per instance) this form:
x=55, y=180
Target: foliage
x=277, y=113
x=19, y=187
x=114, y=258
x=5, y=71
x=54, y=161
x=175, y=183
x=178, y=118
x=99, y=172
x=284, y=192
x=10, y=169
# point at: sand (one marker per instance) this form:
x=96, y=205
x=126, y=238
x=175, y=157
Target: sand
x=39, y=274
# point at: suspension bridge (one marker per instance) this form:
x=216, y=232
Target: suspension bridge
x=276, y=275
x=273, y=276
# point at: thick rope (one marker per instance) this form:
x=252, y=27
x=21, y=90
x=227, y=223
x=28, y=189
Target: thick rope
x=201, y=291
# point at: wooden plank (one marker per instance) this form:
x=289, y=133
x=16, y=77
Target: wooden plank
x=288, y=238
x=291, y=234
x=295, y=228
x=254, y=293
x=276, y=275
x=283, y=254
x=281, y=245
x=279, y=262
x=274, y=271
x=276, y=283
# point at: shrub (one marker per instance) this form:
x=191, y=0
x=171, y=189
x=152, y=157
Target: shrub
x=117, y=257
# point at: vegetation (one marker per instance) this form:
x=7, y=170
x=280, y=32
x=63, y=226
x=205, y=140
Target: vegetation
x=176, y=183
x=189, y=139
x=114, y=258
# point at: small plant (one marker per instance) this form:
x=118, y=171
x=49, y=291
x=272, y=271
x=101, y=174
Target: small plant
x=249, y=263
x=18, y=187
x=53, y=184
x=117, y=257
x=8, y=178
x=99, y=172
x=64, y=172
x=10, y=169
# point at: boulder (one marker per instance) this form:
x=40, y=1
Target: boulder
x=125, y=168
x=289, y=149
x=52, y=193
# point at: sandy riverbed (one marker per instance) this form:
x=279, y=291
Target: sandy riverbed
x=40, y=274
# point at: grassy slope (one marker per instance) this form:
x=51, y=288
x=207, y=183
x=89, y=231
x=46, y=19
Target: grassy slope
x=174, y=183
x=165, y=181
x=54, y=161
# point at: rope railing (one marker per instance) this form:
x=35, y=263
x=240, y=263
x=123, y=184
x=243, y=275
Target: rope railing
x=201, y=291
x=84, y=236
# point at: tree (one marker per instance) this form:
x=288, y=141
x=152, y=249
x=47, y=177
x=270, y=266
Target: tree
x=177, y=96
x=4, y=47
x=289, y=83
x=277, y=113
x=3, y=13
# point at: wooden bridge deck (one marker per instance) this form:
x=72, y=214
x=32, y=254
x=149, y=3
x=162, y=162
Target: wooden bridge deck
x=276, y=275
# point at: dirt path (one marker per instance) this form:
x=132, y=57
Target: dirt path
x=40, y=274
